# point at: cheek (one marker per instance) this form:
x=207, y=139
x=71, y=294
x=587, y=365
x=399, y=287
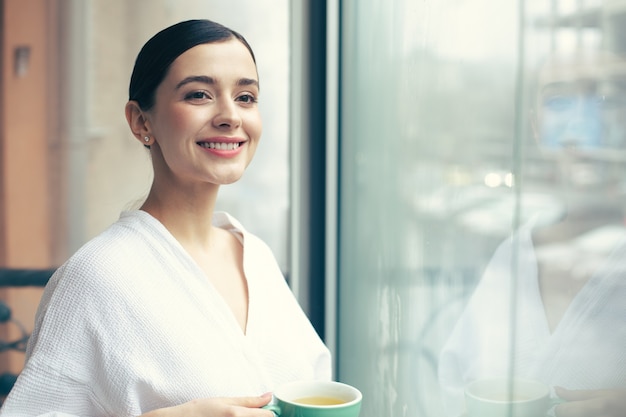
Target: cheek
x=179, y=119
x=254, y=125
x=174, y=120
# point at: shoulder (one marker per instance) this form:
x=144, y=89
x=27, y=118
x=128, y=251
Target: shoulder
x=99, y=284
x=106, y=262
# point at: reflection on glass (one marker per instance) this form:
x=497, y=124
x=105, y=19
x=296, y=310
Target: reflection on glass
x=550, y=303
x=581, y=101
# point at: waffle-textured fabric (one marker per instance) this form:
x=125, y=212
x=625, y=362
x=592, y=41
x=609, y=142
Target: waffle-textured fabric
x=130, y=323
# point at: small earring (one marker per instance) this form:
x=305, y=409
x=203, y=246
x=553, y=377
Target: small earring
x=146, y=138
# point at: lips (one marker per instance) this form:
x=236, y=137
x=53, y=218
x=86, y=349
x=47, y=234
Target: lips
x=226, y=146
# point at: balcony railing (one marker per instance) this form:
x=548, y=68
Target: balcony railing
x=17, y=278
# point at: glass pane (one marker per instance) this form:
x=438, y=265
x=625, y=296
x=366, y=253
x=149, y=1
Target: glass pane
x=481, y=200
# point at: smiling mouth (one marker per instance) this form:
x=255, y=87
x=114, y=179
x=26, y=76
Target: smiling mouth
x=225, y=146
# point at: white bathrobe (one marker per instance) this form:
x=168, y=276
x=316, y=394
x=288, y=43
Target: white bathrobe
x=130, y=323
x=587, y=350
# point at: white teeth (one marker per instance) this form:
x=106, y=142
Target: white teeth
x=220, y=146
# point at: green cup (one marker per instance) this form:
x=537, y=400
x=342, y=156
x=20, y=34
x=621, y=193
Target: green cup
x=501, y=397
x=316, y=399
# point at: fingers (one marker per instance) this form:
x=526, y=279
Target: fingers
x=576, y=395
x=589, y=408
x=591, y=403
x=250, y=402
x=570, y=410
x=224, y=407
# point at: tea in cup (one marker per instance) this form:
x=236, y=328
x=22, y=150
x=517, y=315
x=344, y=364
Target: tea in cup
x=316, y=399
x=503, y=397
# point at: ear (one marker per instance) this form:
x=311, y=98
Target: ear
x=138, y=123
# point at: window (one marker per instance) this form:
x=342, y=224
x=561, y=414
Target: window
x=481, y=222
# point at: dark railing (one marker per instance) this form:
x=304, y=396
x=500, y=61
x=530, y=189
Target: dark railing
x=24, y=277
x=16, y=278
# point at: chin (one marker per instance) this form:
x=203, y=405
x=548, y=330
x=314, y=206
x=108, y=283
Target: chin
x=230, y=179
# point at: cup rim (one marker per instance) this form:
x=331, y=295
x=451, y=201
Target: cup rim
x=357, y=394
x=544, y=394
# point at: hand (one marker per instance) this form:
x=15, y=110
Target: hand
x=218, y=407
x=591, y=403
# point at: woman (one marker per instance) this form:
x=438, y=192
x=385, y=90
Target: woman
x=175, y=309
x=550, y=304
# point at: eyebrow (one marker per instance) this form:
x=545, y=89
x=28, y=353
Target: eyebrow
x=210, y=80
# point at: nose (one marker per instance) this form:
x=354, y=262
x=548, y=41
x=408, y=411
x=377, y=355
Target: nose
x=227, y=115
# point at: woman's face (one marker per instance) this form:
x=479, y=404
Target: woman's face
x=205, y=122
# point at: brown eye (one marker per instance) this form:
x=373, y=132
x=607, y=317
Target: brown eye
x=197, y=95
x=247, y=99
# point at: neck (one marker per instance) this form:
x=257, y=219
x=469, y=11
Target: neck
x=186, y=212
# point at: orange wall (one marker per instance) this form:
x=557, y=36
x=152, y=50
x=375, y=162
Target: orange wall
x=24, y=132
x=24, y=137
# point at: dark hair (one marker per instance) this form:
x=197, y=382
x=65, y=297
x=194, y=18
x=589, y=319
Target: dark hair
x=156, y=56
